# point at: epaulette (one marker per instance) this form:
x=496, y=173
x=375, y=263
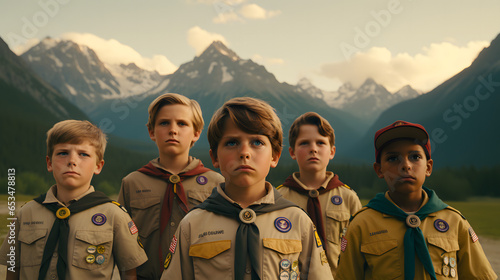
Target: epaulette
x=279, y=187
x=455, y=210
x=119, y=205
x=346, y=186
x=359, y=211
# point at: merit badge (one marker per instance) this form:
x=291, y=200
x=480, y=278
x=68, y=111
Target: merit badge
x=247, y=216
x=133, y=229
x=91, y=249
x=294, y=275
x=99, y=259
x=446, y=260
x=284, y=275
x=453, y=272
x=413, y=221
x=343, y=244
x=174, y=179
x=283, y=224
x=167, y=260
x=318, y=240
x=101, y=249
x=63, y=213
x=324, y=259
x=313, y=193
x=90, y=259
x=473, y=235
x=441, y=225
x=337, y=200
x=99, y=219
x=173, y=244
x=453, y=262
x=202, y=180
x=285, y=264
x=446, y=270
x=295, y=266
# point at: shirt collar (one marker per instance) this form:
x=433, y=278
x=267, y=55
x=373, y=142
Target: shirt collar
x=192, y=164
x=51, y=196
x=329, y=176
x=267, y=199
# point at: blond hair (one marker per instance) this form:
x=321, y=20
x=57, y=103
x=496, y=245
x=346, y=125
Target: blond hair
x=170, y=99
x=324, y=127
x=252, y=116
x=75, y=132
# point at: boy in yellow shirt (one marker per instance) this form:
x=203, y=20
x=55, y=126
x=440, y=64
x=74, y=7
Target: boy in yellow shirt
x=329, y=202
x=159, y=194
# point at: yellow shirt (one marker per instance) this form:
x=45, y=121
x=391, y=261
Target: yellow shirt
x=115, y=240
x=206, y=241
x=375, y=247
x=335, y=216
x=142, y=195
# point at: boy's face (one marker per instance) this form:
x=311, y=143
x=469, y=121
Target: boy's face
x=312, y=150
x=404, y=167
x=73, y=165
x=244, y=159
x=173, y=130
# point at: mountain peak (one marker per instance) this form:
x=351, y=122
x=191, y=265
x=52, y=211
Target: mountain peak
x=217, y=47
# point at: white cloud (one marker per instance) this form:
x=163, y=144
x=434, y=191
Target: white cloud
x=254, y=11
x=20, y=49
x=199, y=39
x=226, y=12
x=113, y=52
x=259, y=59
x=423, y=71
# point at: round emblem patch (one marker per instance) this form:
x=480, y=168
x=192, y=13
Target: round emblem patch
x=313, y=193
x=413, y=221
x=91, y=249
x=202, y=180
x=90, y=259
x=174, y=179
x=441, y=225
x=294, y=275
x=337, y=200
x=284, y=275
x=99, y=259
x=283, y=224
x=101, y=249
x=247, y=216
x=63, y=213
x=99, y=219
x=285, y=264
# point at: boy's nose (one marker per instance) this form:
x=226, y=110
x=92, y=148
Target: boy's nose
x=405, y=165
x=244, y=152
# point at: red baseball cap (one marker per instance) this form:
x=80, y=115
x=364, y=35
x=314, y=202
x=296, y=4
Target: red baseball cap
x=402, y=129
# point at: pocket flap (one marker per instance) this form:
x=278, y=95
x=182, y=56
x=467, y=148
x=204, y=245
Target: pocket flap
x=94, y=237
x=448, y=245
x=380, y=247
x=144, y=202
x=283, y=246
x=210, y=249
x=30, y=236
x=338, y=215
x=198, y=195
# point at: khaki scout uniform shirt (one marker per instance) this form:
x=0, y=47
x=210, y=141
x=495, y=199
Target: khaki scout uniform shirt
x=34, y=223
x=206, y=245
x=142, y=195
x=375, y=247
x=335, y=217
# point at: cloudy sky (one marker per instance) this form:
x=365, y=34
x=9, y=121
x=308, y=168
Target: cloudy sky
x=395, y=42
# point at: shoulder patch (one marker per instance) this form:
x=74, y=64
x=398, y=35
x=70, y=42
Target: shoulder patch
x=455, y=210
x=119, y=205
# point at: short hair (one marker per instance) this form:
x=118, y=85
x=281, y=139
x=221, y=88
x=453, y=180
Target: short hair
x=75, y=132
x=324, y=127
x=171, y=99
x=252, y=116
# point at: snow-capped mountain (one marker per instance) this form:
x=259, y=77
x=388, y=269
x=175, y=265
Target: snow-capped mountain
x=367, y=102
x=82, y=77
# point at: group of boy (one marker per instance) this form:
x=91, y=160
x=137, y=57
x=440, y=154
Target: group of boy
x=176, y=219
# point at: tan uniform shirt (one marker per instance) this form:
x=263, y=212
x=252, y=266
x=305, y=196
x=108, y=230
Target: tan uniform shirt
x=142, y=195
x=335, y=217
x=116, y=236
x=206, y=246
x=375, y=247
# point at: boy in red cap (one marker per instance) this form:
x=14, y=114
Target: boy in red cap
x=408, y=232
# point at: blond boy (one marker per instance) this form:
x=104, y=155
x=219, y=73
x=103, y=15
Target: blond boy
x=160, y=193
x=329, y=202
x=245, y=229
x=72, y=231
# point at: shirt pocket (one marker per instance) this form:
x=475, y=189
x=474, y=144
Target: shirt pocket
x=32, y=246
x=439, y=248
x=146, y=214
x=276, y=250
x=336, y=221
x=212, y=256
x=383, y=259
x=92, y=249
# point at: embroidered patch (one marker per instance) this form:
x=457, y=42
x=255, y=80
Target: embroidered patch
x=318, y=240
x=441, y=225
x=473, y=235
x=133, y=229
x=173, y=244
x=324, y=259
x=202, y=180
x=337, y=200
x=343, y=244
x=99, y=219
x=167, y=260
x=282, y=224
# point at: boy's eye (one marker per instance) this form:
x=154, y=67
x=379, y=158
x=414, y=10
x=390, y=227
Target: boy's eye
x=84, y=155
x=392, y=158
x=182, y=124
x=163, y=123
x=415, y=156
x=258, y=142
x=62, y=153
x=303, y=143
x=230, y=143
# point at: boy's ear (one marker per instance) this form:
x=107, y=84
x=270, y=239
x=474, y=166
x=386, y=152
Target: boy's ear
x=49, y=163
x=99, y=166
x=152, y=134
x=428, y=172
x=213, y=156
x=332, y=152
x=196, y=136
x=275, y=159
x=292, y=153
x=376, y=167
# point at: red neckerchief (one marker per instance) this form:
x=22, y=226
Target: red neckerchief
x=172, y=190
x=313, y=205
